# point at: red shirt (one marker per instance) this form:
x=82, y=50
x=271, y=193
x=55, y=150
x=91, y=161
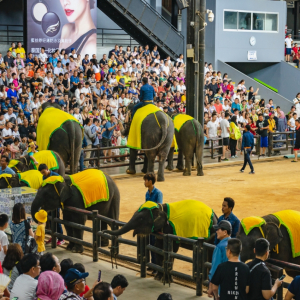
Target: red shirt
x=253, y=126
x=218, y=108
x=86, y=289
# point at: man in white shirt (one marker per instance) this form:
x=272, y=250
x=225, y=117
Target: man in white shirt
x=9, y=114
x=58, y=69
x=212, y=129
x=48, y=82
x=25, y=285
x=224, y=124
x=225, y=106
x=114, y=106
x=288, y=47
x=181, y=87
x=180, y=59
x=166, y=69
x=43, y=56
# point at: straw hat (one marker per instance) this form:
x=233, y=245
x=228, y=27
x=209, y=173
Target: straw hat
x=41, y=216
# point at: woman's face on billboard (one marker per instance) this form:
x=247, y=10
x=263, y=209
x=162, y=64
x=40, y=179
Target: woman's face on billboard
x=74, y=8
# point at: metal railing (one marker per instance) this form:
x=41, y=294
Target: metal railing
x=111, y=37
x=11, y=33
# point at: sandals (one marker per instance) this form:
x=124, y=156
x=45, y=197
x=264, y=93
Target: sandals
x=294, y=161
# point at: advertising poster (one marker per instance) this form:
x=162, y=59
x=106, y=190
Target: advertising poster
x=62, y=24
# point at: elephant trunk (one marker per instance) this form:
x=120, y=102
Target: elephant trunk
x=127, y=227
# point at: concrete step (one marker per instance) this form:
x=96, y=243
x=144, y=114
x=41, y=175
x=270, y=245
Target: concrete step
x=292, y=64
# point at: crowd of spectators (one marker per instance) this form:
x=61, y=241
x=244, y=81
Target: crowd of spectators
x=86, y=87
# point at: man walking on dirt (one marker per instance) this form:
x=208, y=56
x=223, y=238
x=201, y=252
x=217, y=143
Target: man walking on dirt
x=247, y=146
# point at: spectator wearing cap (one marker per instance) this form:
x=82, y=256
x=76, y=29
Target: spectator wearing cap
x=247, y=147
x=52, y=99
x=223, y=232
x=297, y=142
x=75, y=282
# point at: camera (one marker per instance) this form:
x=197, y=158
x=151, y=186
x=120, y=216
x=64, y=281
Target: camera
x=210, y=16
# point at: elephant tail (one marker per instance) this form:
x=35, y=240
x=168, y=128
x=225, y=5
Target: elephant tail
x=164, y=128
x=199, y=141
x=72, y=148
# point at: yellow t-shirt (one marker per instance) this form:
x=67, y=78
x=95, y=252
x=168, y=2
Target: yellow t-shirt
x=21, y=51
x=127, y=80
x=40, y=237
x=271, y=125
x=30, y=147
x=183, y=98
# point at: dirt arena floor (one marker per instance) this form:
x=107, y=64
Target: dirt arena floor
x=274, y=187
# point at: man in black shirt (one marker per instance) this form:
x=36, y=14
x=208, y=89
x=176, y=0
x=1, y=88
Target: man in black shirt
x=34, y=82
x=213, y=86
x=263, y=126
x=232, y=276
x=252, y=94
x=25, y=129
x=260, y=287
x=103, y=61
x=8, y=59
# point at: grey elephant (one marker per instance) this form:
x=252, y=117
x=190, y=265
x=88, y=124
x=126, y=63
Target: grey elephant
x=158, y=218
x=190, y=140
x=63, y=191
x=156, y=138
x=277, y=236
x=65, y=138
x=32, y=179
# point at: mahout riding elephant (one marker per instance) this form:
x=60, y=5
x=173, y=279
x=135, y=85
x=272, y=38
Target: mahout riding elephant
x=159, y=219
x=60, y=132
x=156, y=138
x=58, y=192
x=43, y=157
x=32, y=179
x=276, y=235
x=190, y=140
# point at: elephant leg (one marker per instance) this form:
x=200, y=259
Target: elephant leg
x=145, y=167
x=161, y=168
x=188, y=165
x=180, y=166
x=104, y=241
x=151, y=159
x=170, y=159
x=132, y=158
x=78, y=234
x=158, y=258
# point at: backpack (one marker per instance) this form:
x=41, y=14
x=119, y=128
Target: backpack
x=30, y=242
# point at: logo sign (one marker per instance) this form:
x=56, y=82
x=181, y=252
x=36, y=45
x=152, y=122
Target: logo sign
x=51, y=24
x=252, y=55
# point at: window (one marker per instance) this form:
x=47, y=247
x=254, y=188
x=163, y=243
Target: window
x=230, y=20
x=250, y=21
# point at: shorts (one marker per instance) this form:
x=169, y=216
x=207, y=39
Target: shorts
x=30, y=153
x=106, y=142
x=226, y=141
x=264, y=142
x=296, y=149
x=288, y=51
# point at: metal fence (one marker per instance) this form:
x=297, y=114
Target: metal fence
x=11, y=33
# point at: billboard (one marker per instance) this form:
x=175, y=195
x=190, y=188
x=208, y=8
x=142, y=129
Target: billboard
x=62, y=24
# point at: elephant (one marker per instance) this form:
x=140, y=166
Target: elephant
x=15, y=181
x=157, y=135
x=190, y=140
x=66, y=140
x=143, y=222
x=66, y=194
x=25, y=163
x=275, y=235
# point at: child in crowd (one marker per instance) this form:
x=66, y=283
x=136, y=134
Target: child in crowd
x=39, y=235
x=3, y=237
x=31, y=148
x=15, y=150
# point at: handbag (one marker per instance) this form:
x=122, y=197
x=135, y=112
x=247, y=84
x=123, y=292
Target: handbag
x=30, y=242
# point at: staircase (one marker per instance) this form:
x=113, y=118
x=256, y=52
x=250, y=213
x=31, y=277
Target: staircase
x=143, y=23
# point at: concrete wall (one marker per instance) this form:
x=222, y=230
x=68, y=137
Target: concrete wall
x=233, y=46
x=264, y=92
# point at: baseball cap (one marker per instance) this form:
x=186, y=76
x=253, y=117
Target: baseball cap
x=224, y=225
x=52, y=95
x=73, y=275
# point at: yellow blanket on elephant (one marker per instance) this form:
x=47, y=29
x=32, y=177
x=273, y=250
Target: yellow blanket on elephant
x=291, y=220
x=51, y=120
x=180, y=119
x=5, y=175
x=92, y=185
x=251, y=222
x=135, y=136
x=53, y=180
x=12, y=163
x=45, y=157
x=190, y=218
x=32, y=178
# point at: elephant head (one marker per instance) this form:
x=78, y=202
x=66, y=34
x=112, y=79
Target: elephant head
x=48, y=104
x=9, y=182
x=271, y=232
x=144, y=221
x=51, y=195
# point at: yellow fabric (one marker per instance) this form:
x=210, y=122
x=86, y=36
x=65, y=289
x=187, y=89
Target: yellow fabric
x=251, y=222
x=40, y=237
x=41, y=216
x=190, y=218
x=32, y=178
x=21, y=51
x=30, y=146
x=52, y=180
x=148, y=205
x=235, y=133
x=13, y=163
x=45, y=157
x=92, y=185
x=135, y=136
x=174, y=143
x=180, y=119
x=5, y=175
x=291, y=220
x=50, y=120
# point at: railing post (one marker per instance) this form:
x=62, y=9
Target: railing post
x=142, y=242
x=53, y=228
x=212, y=148
x=220, y=149
x=270, y=143
x=167, y=262
x=293, y=141
x=114, y=241
x=197, y=266
x=287, y=141
x=257, y=146
x=95, y=221
x=279, y=292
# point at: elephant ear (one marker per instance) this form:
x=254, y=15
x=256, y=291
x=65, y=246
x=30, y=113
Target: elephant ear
x=273, y=234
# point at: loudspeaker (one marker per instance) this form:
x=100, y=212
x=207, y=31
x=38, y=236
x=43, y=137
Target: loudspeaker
x=182, y=4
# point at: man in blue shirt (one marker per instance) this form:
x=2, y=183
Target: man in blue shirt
x=247, y=146
x=147, y=94
x=46, y=172
x=223, y=231
x=4, y=169
x=107, y=134
x=235, y=105
x=155, y=195
x=227, y=207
